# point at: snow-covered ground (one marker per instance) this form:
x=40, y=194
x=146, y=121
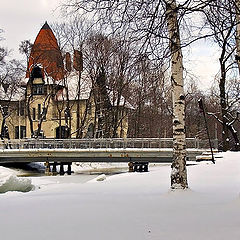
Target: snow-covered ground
x=129, y=206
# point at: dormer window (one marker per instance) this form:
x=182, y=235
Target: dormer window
x=37, y=81
x=36, y=72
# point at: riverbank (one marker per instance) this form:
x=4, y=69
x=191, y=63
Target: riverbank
x=130, y=206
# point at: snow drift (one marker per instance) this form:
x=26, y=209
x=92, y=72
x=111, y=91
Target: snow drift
x=10, y=182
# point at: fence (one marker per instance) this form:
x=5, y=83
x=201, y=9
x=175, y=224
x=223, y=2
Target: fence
x=103, y=143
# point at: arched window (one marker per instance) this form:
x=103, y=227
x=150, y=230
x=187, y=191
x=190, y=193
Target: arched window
x=37, y=81
x=36, y=72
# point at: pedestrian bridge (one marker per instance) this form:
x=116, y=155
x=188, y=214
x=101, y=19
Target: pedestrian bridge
x=97, y=150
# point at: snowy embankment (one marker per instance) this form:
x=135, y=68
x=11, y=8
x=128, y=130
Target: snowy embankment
x=130, y=206
x=10, y=182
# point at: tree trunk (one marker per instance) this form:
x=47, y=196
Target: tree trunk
x=223, y=101
x=179, y=172
x=238, y=33
x=78, y=106
x=237, y=146
x=225, y=134
x=29, y=116
x=235, y=137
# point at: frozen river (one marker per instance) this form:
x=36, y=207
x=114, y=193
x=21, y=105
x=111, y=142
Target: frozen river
x=82, y=174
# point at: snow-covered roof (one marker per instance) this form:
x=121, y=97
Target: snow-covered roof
x=72, y=83
x=47, y=80
x=123, y=102
x=85, y=86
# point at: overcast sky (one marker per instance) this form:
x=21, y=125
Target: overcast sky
x=22, y=20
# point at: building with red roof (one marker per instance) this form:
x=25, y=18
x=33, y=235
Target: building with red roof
x=54, y=101
x=46, y=53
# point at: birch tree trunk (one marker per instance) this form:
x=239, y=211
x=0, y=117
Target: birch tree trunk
x=238, y=33
x=179, y=172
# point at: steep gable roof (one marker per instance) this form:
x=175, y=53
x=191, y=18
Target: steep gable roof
x=46, y=52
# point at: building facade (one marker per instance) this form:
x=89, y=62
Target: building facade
x=55, y=102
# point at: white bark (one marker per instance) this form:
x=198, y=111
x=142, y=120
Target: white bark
x=238, y=33
x=179, y=173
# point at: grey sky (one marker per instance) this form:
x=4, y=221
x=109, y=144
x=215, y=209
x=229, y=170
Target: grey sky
x=22, y=19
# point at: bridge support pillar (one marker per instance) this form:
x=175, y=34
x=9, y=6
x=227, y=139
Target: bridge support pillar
x=54, y=168
x=140, y=166
x=69, y=169
x=47, y=169
x=61, y=169
x=145, y=168
x=130, y=167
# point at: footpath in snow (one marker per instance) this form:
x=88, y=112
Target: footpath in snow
x=129, y=206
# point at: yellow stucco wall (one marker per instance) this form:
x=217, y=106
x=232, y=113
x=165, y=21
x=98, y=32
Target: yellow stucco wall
x=52, y=118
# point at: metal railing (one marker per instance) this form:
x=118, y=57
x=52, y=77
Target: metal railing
x=102, y=143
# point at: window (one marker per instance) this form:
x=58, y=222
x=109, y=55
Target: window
x=36, y=72
x=62, y=132
x=21, y=109
x=38, y=89
x=22, y=132
x=34, y=114
x=39, y=111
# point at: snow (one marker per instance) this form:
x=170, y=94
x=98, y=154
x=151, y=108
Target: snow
x=10, y=182
x=100, y=178
x=129, y=206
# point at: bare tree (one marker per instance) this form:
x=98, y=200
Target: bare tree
x=3, y=51
x=145, y=22
x=109, y=65
x=179, y=174
x=221, y=18
x=237, y=9
x=149, y=94
x=71, y=37
x=25, y=48
x=10, y=90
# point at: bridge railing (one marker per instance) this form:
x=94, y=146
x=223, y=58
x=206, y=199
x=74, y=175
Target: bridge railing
x=123, y=143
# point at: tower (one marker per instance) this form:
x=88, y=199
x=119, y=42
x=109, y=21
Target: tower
x=46, y=53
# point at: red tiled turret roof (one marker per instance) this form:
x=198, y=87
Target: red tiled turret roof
x=46, y=52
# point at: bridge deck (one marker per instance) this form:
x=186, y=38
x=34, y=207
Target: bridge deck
x=93, y=155
x=100, y=150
